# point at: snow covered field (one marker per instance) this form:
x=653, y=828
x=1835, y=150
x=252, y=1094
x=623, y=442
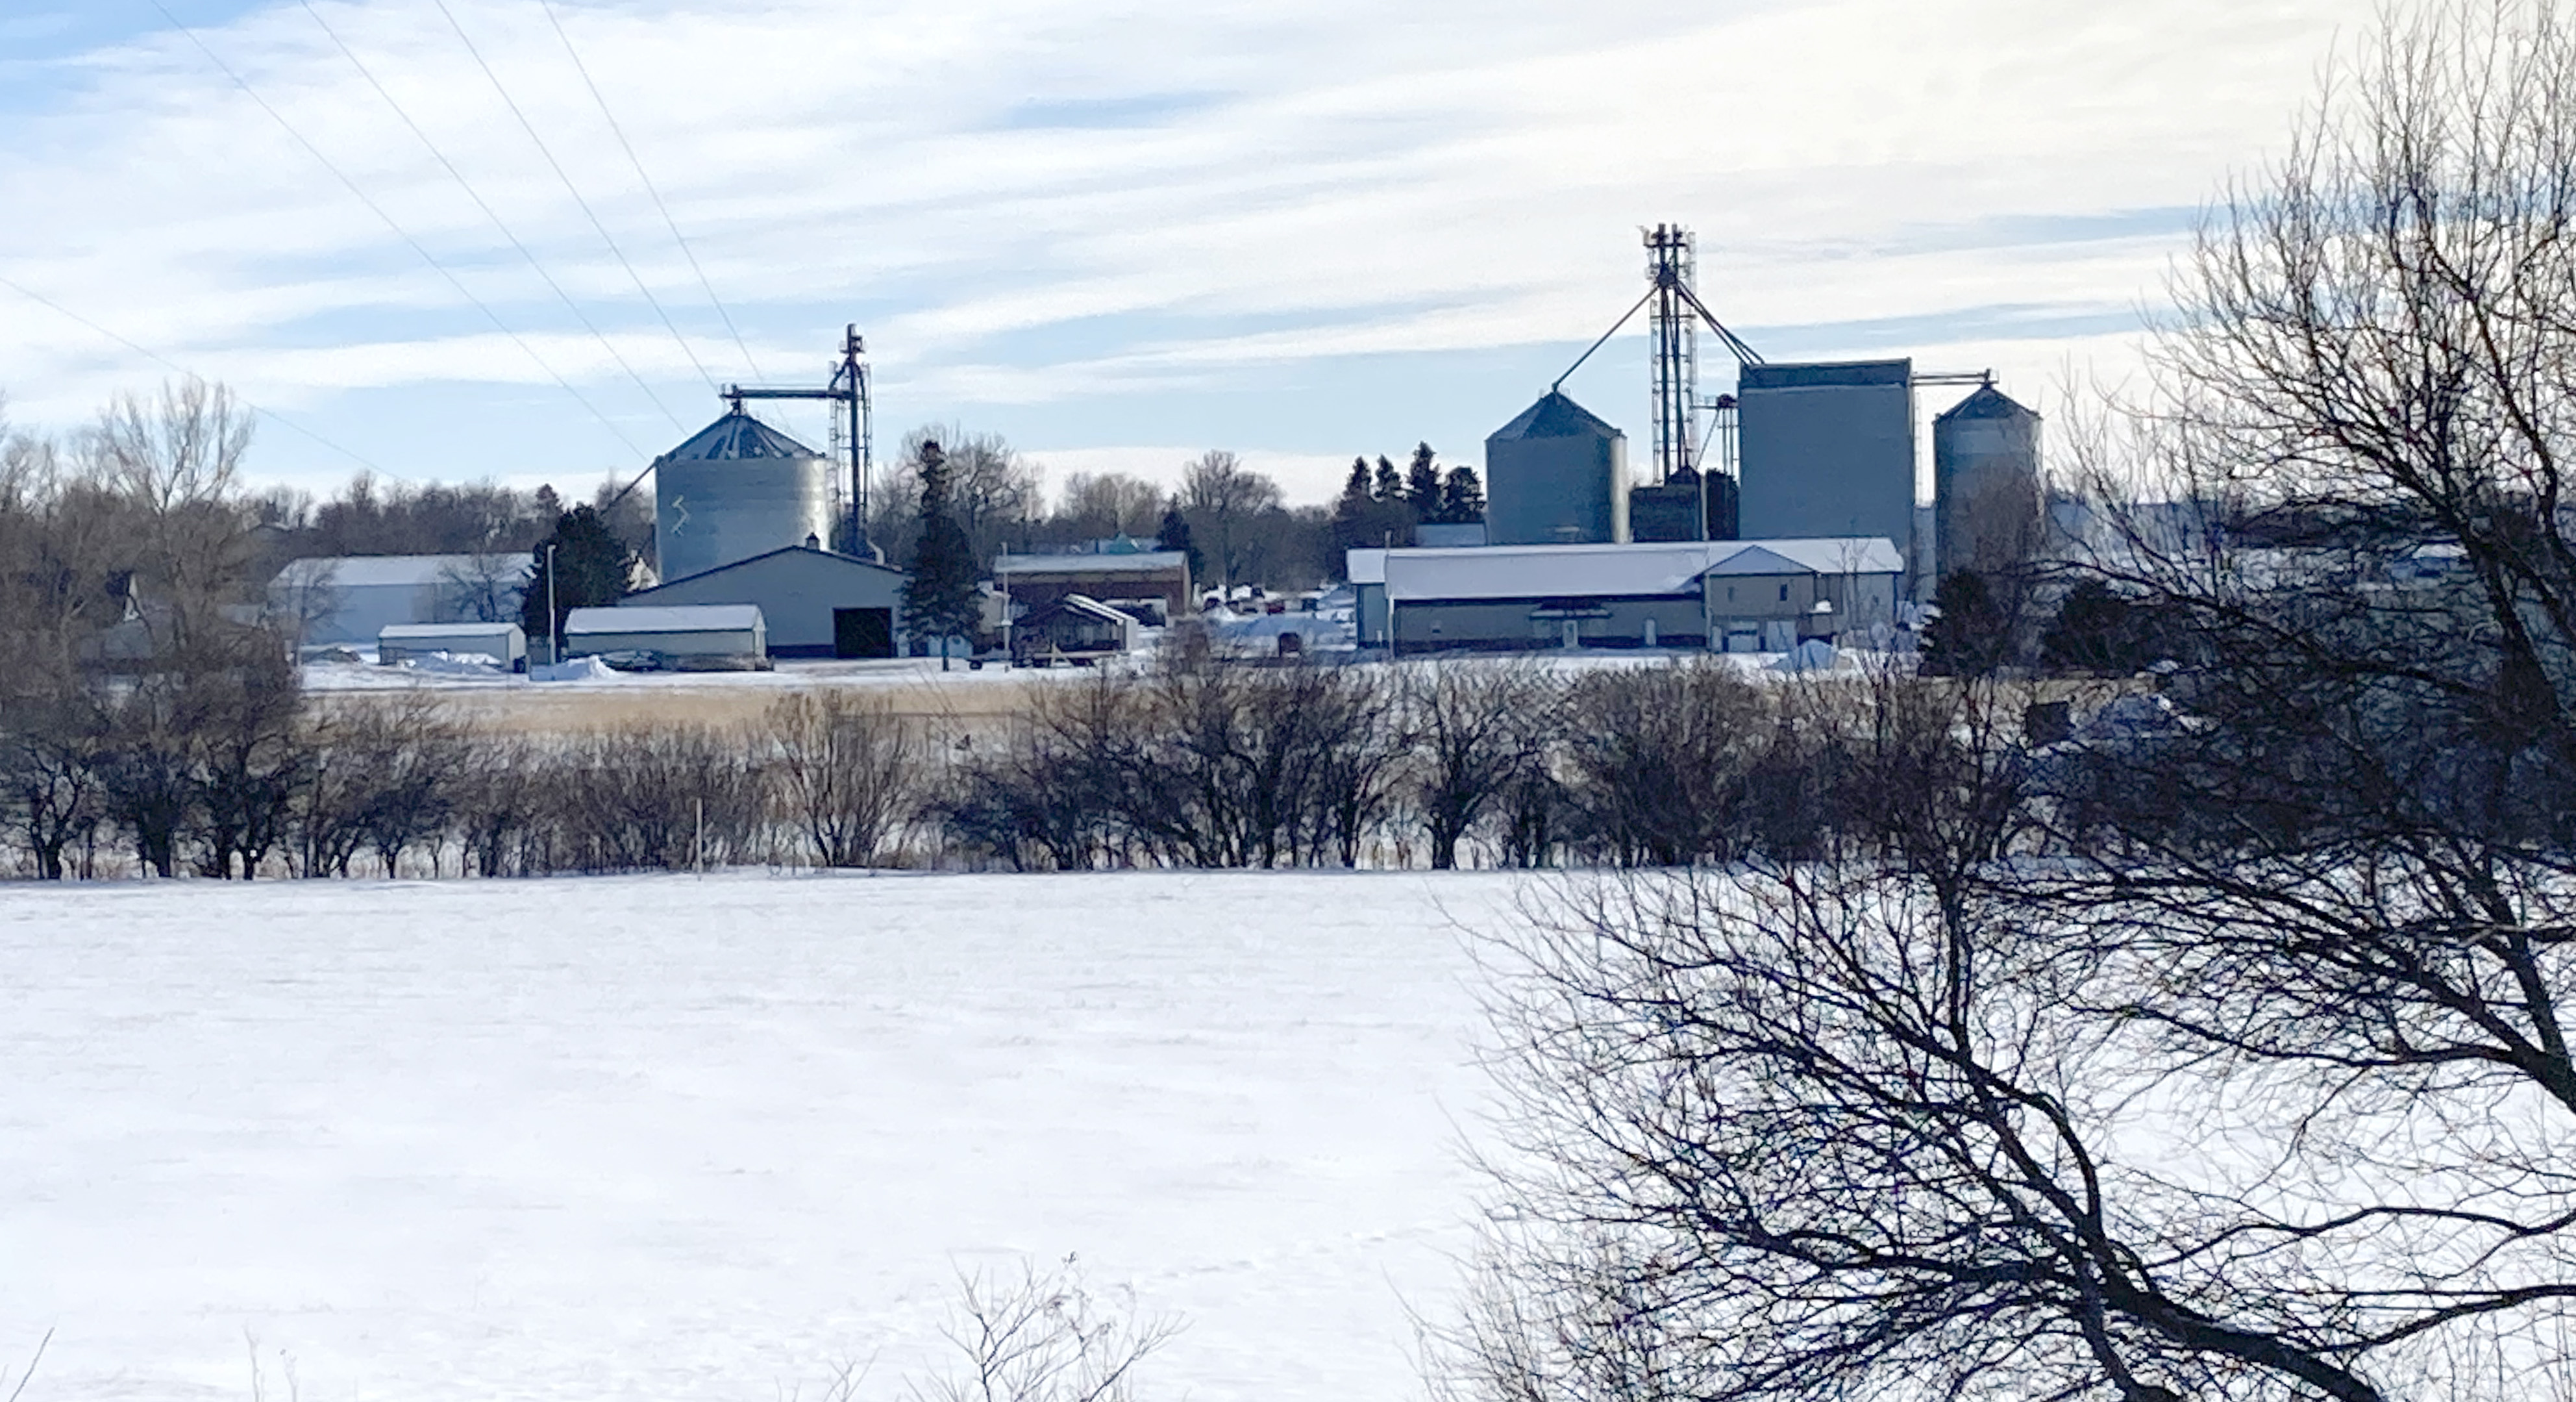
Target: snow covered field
x=676, y=1139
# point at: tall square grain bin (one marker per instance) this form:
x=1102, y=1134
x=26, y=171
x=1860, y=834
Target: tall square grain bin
x=1827, y=450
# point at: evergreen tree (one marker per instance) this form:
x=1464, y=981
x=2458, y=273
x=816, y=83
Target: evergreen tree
x=1388, y=484
x=1422, y=484
x=1175, y=535
x=592, y=569
x=940, y=599
x=2099, y=631
x=1971, y=634
x=1462, y=497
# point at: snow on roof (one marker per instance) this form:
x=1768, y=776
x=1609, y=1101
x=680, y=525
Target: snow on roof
x=665, y=618
x=735, y=436
x=370, y=571
x=1092, y=564
x=1619, y=571
x=1365, y=566
x=404, y=632
x=1814, y=555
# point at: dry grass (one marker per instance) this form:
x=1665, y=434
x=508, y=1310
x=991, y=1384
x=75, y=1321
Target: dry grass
x=980, y=707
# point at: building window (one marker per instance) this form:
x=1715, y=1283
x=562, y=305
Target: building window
x=1730, y=593
x=1784, y=593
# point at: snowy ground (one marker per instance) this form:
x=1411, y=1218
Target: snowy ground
x=671, y=1138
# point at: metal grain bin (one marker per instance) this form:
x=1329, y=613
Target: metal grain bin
x=1985, y=483
x=1556, y=476
x=738, y=488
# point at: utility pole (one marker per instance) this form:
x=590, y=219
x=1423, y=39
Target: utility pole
x=554, y=619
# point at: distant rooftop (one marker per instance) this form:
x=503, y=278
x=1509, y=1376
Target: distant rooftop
x=1092, y=564
x=372, y=571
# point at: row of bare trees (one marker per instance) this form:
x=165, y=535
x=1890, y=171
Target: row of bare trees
x=2244, y=1069
x=1204, y=763
x=396, y=786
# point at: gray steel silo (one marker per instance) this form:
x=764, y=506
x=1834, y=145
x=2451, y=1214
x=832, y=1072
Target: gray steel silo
x=1556, y=476
x=736, y=489
x=1985, y=483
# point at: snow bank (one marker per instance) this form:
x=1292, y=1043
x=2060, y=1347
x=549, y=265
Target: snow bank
x=580, y=669
x=711, y=1139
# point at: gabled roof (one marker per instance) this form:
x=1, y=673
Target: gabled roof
x=371, y=571
x=1818, y=555
x=834, y=556
x=1554, y=416
x=1987, y=403
x=735, y=436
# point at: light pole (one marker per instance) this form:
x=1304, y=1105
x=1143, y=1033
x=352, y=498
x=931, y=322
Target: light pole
x=554, y=620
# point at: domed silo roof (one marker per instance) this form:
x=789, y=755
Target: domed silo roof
x=737, y=488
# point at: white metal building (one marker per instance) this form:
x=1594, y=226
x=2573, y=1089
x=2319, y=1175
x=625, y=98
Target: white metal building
x=502, y=642
x=347, y=600
x=713, y=635
x=1738, y=595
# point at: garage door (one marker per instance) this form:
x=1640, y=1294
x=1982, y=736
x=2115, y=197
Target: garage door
x=863, y=632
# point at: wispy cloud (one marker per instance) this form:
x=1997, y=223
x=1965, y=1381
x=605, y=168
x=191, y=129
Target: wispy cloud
x=1036, y=223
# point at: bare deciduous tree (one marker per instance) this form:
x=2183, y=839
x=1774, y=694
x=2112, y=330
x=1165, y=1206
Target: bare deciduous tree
x=1043, y=1336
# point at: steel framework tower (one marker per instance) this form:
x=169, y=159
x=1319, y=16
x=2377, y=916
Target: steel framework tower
x=1671, y=263
x=849, y=386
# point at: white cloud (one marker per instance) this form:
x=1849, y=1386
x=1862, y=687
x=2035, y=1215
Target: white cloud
x=1283, y=185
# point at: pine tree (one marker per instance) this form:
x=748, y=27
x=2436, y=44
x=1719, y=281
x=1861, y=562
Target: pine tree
x=1422, y=484
x=1388, y=484
x=592, y=568
x=1969, y=637
x=1462, y=496
x=940, y=599
x=1175, y=535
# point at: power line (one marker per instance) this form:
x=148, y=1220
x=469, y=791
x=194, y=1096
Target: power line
x=638, y=162
x=488, y=213
x=575, y=190
x=399, y=232
x=167, y=363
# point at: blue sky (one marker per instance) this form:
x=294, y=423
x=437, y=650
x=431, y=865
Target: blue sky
x=1116, y=231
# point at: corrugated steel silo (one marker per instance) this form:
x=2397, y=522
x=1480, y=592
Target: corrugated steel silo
x=736, y=489
x=1985, y=483
x=1827, y=450
x=1556, y=475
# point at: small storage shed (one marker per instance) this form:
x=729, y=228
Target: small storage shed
x=1075, y=629
x=502, y=642
x=690, y=636
x=1034, y=581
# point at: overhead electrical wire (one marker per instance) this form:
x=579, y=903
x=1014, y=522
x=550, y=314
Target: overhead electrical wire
x=167, y=363
x=575, y=190
x=489, y=213
x=672, y=224
x=399, y=231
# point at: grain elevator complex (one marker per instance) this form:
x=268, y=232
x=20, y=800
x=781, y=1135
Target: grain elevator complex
x=1797, y=491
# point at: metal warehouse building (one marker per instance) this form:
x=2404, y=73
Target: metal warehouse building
x=815, y=602
x=712, y=635
x=350, y=599
x=1739, y=596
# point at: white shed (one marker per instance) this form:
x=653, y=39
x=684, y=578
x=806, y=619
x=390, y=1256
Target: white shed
x=691, y=635
x=501, y=642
